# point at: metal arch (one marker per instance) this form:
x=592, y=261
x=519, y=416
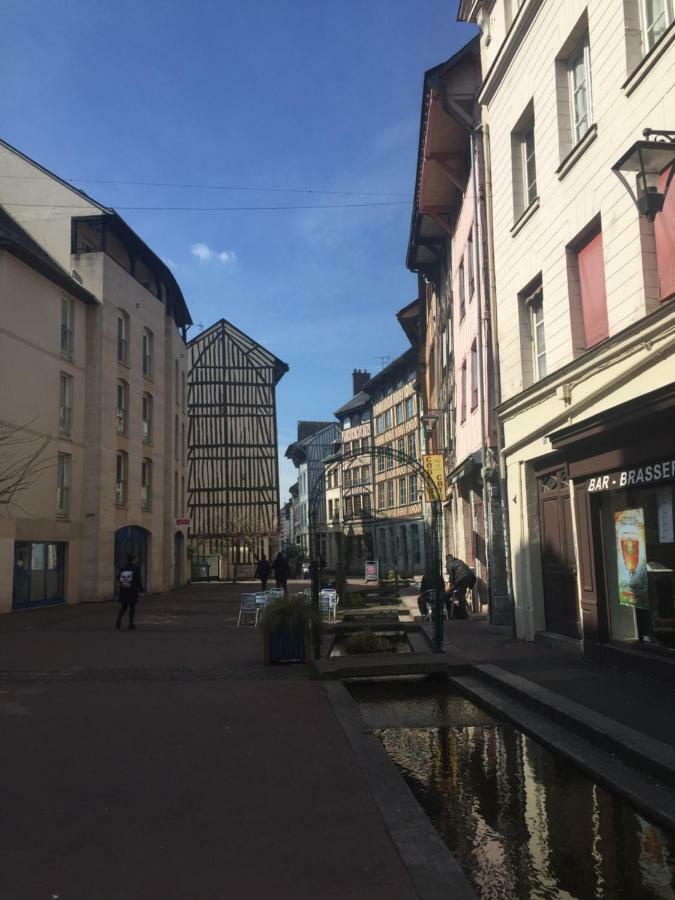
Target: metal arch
x=314, y=500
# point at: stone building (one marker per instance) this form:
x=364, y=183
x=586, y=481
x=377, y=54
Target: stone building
x=118, y=403
x=586, y=319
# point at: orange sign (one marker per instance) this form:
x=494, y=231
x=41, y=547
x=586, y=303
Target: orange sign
x=434, y=465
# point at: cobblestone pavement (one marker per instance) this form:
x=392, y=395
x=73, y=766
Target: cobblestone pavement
x=169, y=762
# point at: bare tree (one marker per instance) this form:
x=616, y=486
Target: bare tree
x=21, y=460
x=244, y=529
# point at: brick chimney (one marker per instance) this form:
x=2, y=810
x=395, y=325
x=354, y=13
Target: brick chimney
x=359, y=378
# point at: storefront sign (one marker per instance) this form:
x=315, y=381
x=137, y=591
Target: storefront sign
x=434, y=465
x=183, y=522
x=655, y=473
x=631, y=557
x=372, y=570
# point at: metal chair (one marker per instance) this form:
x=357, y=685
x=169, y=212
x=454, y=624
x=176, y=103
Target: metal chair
x=262, y=598
x=328, y=601
x=248, y=609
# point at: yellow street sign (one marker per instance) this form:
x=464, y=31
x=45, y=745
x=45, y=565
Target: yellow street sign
x=434, y=466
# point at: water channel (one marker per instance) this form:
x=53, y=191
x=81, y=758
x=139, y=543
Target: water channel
x=520, y=820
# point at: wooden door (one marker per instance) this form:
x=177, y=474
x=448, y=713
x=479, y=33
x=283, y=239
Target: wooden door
x=557, y=554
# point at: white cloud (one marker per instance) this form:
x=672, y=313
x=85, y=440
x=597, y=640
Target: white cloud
x=204, y=253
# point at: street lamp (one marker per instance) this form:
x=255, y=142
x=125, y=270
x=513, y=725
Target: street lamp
x=648, y=159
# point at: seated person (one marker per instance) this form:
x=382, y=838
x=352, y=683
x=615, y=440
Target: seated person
x=461, y=577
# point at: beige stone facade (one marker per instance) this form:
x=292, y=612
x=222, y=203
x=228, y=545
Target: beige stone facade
x=127, y=397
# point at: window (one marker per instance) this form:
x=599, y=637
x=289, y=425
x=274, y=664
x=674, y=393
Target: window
x=147, y=352
x=412, y=450
x=524, y=169
x=390, y=494
x=176, y=381
x=365, y=474
x=365, y=445
x=65, y=404
x=462, y=291
x=412, y=493
x=349, y=507
x=175, y=438
x=380, y=459
x=474, y=376
x=469, y=265
x=379, y=424
x=657, y=17
x=122, y=407
x=182, y=443
x=330, y=509
x=390, y=457
x=591, y=272
x=380, y=496
x=147, y=418
x=123, y=337
x=579, y=74
x=664, y=237
x=337, y=511
x=176, y=507
x=121, y=471
x=400, y=447
x=146, y=484
x=183, y=392
x=409, y=408
x=387, y=419
x=358, y=505
x=536, y=314
x=67, y=326
x=399, y=413
x=402, y=500
x=63, y=481
x=348, y=478
x=462, y=398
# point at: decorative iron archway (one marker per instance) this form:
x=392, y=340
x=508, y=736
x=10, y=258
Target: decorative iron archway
x=432, y=536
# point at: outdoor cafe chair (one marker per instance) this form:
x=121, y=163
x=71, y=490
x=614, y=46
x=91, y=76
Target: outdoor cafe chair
x=248, y=609
x=328, y=601
x=262, y=598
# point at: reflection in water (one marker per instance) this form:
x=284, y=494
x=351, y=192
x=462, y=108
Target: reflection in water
x=521, y=821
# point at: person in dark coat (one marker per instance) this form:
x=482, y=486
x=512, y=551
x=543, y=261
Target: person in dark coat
x=461, y=577
x=424, y=599
x=130, y=586
x=262, y=571
x=280, y=568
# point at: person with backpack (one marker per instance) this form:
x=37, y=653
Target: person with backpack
x=130, y=586
x=461, y=577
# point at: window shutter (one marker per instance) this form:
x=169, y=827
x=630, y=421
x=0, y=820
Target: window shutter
x=664, y=232
x=593, y=291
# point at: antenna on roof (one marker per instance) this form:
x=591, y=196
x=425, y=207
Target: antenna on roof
x=383, y=360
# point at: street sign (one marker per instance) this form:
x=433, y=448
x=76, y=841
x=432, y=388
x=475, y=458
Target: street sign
x=434, y=465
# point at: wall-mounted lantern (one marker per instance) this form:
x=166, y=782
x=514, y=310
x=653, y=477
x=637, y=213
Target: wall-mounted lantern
x=648, y=159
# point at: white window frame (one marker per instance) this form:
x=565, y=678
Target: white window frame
x=65, y=404
x=121, y=476
x=387, y=419
x=380, y=495
x=123, y=337
x=146, y=415
x=402, y=492
x=649, y=36
x=390, y=493
x=64, y=464
x=529, y=187
x=581, y=55
x=148, y=341
x=122, y=411
x=67, y=327
x=146, y=484
x=535, y=309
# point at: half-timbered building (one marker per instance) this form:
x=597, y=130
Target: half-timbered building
x=233, y=477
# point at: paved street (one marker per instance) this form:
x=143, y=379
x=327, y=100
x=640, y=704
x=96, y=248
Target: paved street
x=170, y=763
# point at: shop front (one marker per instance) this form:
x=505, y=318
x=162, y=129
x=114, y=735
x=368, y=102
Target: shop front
x=39, y=573
x=622, y=468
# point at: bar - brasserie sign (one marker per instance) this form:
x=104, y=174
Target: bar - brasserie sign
x=654, y=473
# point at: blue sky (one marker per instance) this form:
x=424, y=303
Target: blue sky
x=264, y=94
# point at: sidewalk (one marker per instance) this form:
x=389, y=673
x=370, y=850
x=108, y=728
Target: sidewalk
x=170, y=763
x=640, y=702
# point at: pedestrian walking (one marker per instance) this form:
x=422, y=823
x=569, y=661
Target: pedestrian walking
x=262, y=571
x=429, y=582
x=461, y=577
x=280, y=568
x=130, y=586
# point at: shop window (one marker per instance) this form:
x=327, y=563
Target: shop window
x=39, y=570
x=664, y=236
x=640, y=562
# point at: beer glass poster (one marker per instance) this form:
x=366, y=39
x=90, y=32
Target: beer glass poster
x=631, y=551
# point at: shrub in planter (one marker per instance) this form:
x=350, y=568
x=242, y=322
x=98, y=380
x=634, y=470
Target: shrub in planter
x=367, y=642
x=287, y=629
